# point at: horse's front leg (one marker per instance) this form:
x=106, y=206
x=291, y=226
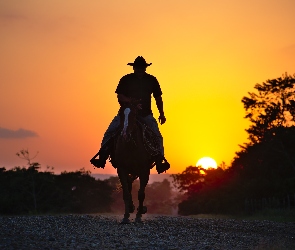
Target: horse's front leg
x=123, y=176
x=144, y=179
x=131, y=204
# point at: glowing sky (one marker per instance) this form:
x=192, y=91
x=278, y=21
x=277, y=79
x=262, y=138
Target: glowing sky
x=61, y=62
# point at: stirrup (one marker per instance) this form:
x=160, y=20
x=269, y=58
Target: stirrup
x=99, y=163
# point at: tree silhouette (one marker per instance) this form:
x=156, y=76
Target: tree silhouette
x=190, y=180
x=30, y=190
x=272, y=107
x=81, y=193
x=34, y=183
x=207, y=190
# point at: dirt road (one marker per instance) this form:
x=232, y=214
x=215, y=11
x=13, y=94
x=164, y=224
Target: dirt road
x=156, y=232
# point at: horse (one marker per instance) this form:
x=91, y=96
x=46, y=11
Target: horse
x=132, y=160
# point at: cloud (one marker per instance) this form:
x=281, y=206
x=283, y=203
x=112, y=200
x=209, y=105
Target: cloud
x=12, y=16
x=16, y=134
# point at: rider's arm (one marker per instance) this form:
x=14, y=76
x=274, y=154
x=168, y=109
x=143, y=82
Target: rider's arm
x=159, y=103
x=160, y=106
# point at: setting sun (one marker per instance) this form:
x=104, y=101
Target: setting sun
x=207, y=162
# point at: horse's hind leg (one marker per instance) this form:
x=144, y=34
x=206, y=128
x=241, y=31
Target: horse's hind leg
x=126, y=194
x=144, y=178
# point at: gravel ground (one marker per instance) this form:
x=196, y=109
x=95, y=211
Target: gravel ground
x=156, y=232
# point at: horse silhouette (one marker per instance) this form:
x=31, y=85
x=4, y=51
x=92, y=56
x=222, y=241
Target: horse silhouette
x=132, y=160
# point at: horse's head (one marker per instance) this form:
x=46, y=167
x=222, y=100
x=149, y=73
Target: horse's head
x=128, y=117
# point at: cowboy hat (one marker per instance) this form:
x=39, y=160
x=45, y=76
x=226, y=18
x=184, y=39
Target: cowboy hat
x=140, y=62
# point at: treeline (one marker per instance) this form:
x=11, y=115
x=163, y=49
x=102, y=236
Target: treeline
x=260, y=172
x=32, y=191
x=264, y=168
x=27, y=190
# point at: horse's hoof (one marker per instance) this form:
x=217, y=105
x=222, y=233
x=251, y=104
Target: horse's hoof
x=138, y=219
x=143, y=210
x=125, y=221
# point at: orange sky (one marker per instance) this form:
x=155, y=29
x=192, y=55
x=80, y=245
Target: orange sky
x=61, y=62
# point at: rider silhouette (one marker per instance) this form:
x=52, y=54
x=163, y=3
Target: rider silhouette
x=140, y=86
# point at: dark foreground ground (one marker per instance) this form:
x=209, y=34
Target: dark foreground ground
x=156, y=232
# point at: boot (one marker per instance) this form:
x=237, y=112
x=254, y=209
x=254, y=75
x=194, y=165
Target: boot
x=162, y=165
x=101, y=162
x=103, y=153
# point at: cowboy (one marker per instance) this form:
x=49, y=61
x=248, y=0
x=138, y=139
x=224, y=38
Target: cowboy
x=140, y=86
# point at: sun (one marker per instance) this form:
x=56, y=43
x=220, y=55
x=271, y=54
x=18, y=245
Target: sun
x=207, y=163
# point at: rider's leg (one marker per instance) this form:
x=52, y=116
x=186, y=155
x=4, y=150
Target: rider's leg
x=152, y=123
x=106, y=144
x=111, y=130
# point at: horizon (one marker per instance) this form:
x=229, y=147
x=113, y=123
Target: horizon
x=152, y=177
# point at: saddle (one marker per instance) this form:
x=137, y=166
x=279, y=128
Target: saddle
x=151, y=143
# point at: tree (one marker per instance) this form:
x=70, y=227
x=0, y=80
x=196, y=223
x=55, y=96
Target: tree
x=29, y=190
x=272, y=107
x=207, y=190
x=36, y=184
x=272, y=114
x=189, y=180
x=82, y=193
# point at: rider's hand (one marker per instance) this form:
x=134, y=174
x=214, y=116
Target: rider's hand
x=162, y=119
x=139, y=106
